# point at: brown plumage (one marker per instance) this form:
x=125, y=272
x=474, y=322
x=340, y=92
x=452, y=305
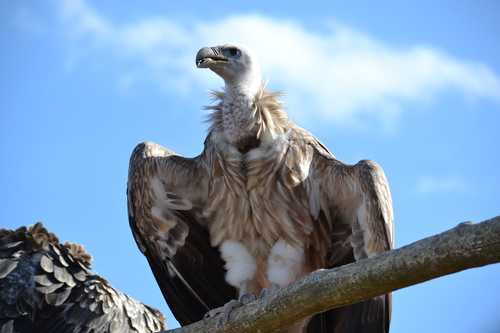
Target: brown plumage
x=264, y=193
x=45, y=286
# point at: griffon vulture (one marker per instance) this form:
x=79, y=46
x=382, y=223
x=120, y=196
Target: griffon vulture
x=46, y=287
x=264, y=204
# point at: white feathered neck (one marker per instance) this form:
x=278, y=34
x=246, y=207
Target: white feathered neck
x=245, y=119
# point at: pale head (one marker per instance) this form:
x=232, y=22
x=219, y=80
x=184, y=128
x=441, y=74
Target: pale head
x=236, y=64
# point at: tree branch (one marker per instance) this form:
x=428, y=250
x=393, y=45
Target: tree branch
x=466, y=246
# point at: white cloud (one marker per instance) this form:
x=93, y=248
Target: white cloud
x=340, y=75
x=453, y=183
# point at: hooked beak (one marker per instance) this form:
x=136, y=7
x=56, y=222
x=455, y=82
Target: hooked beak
x=210, y=57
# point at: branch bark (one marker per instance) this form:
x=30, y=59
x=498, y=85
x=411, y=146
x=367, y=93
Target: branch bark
x=466, y=246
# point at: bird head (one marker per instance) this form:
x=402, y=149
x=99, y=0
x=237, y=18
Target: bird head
x=236, y=64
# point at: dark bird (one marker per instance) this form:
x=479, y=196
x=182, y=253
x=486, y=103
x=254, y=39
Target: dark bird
x=46, y=287
x=264, y=204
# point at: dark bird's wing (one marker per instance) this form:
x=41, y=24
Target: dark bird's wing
x=358, y=206
x=45, y=287
x=166, y=194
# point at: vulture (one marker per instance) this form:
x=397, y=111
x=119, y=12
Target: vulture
x=264, y=204
x=46, y=287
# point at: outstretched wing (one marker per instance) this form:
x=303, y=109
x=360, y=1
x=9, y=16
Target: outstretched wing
x=358, y=206
x=45, y=287
x=166, y=194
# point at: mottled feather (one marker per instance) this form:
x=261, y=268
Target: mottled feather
x=172, y=233
x=45, y=286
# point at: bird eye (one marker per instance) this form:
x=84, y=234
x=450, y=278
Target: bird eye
x=234, y=52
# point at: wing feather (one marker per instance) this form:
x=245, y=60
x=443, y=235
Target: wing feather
x=166, y=196
x=357, y=203
x=48, y=288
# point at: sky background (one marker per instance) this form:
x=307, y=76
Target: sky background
x=414, y=87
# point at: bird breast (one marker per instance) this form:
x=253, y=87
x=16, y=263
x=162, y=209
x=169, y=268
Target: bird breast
x=250, y=200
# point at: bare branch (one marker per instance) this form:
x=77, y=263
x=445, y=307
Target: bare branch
x=466, y=246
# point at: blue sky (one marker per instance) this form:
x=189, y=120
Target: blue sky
x=414, y=87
